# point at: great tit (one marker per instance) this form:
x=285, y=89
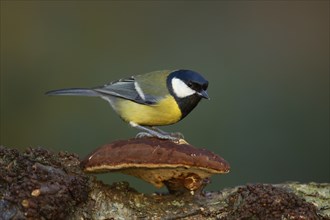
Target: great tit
x=152, y=99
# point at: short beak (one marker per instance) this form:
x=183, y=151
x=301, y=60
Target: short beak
x=203, y=94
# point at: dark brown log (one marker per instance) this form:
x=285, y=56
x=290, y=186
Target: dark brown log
x=39, y=184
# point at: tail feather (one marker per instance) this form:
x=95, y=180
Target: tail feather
x=74, y=92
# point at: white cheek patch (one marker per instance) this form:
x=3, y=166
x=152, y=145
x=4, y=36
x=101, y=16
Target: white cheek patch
x=139, y=90
x=180, y=89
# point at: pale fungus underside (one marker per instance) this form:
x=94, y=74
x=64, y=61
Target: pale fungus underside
x=179, y=166
x=40, y=184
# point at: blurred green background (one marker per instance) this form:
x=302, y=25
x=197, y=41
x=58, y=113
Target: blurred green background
x=267, y=63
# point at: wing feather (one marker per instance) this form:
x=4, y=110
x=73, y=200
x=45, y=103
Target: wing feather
x=125, y=88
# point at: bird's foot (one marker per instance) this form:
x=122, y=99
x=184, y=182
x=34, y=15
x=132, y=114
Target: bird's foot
x=156, y=132
x=177, y=135
x=157, y=135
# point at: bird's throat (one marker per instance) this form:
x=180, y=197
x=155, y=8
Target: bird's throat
x=187, y=104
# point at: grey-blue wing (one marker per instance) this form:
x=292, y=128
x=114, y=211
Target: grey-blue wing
x=126, y=89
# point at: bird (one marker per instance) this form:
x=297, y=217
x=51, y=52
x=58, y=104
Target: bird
x=152, y=99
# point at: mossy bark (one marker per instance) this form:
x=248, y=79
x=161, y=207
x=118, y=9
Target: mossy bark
x=39, y=184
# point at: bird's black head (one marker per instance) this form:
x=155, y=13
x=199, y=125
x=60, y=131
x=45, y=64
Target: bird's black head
x=187, y=87
x=185, y=83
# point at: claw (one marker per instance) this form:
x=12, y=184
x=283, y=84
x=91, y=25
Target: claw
x=178, y=135
x=156, y=132
x=157, y=135
x=143, y=134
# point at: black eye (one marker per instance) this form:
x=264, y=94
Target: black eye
x=204, y=86
x=190, y=84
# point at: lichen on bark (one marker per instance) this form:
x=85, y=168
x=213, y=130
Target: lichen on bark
x=40, y=184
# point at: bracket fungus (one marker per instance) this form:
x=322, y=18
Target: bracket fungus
x=179, y=166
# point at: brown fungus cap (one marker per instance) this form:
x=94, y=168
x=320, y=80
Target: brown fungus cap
x=159, y=162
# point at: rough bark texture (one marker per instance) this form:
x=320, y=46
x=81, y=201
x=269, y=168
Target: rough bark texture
x=39, y=184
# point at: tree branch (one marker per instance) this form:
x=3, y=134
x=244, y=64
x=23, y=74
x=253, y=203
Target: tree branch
x=39, y=184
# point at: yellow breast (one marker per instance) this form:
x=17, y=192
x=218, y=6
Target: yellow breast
x=163, y=113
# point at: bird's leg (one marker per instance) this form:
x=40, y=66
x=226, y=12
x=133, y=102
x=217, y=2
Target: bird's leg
x=174, y=134
x=152, y=133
